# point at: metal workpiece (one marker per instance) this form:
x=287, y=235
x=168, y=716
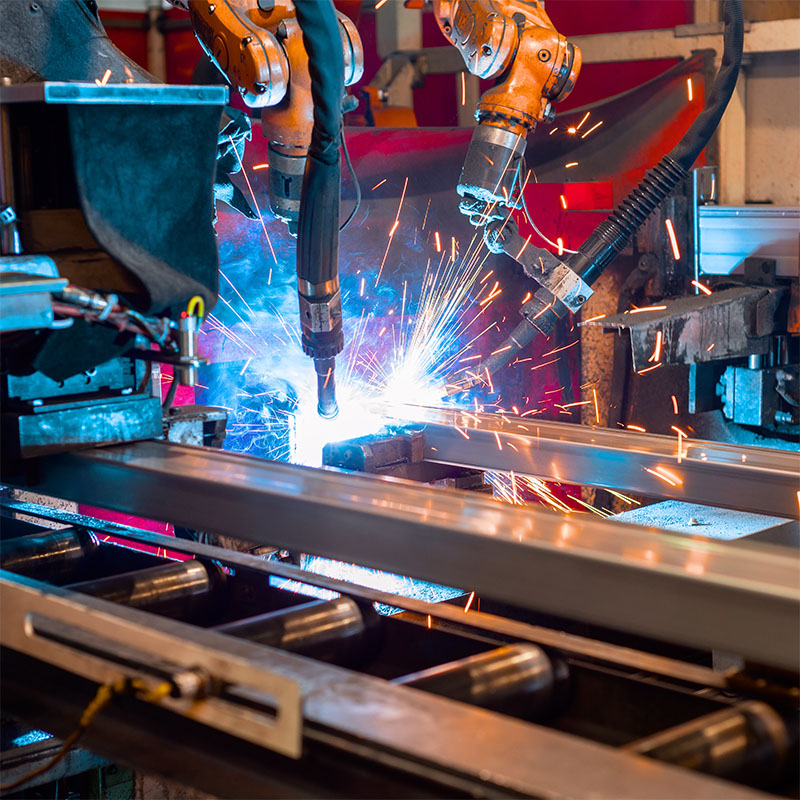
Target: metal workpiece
x=697, y=593
x=50, y=556
x=391, y=727
x=176, y=588
x=730, y=323
x=749, y=742
x=747, y=478
x=336, y=630
x=517, y=678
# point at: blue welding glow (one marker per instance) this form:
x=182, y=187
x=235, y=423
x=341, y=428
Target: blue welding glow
x=30, y=737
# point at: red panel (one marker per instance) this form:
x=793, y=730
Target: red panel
x=131, y=40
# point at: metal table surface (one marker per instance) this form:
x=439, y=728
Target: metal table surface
x=697, y=593
x=754, y=479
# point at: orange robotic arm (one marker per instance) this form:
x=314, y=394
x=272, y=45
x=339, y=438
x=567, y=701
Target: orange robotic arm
x=258, y=46
x=535, y=66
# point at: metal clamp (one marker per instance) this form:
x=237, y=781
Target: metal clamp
x=545, y=268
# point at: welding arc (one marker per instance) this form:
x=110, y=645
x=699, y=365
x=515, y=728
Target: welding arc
x=612, y=235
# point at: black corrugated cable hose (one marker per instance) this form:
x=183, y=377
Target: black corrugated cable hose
x=318, y=225
x=611, y=236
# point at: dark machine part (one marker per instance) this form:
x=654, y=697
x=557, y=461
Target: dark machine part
x=340, y=631
x=519, y=678
x=48, y=556
x=610, y=238
x=318, y=226
x=749, y=742
x=400, y=453
x=177, y=588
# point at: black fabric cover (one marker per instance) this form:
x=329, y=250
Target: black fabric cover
x=145, y=180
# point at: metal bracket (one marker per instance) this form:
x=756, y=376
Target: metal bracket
x=105, y=642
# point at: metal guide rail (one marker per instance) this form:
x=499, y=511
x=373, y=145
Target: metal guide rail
x=754, y=479
x=429, y=702
x=695, y=593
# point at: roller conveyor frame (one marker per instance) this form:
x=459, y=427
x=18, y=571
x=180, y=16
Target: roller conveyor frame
x=694, y=593
x=430, y=738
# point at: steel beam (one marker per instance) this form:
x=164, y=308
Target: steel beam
x=697, y=593
x=756, y=479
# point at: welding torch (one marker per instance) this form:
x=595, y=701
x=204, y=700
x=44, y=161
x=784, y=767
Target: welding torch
x=539, y=67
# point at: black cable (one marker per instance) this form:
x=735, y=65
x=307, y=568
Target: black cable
x=318, y=225
x=171, y=392
x=357, y=185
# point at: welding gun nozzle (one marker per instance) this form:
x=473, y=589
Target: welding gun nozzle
x=327, y=406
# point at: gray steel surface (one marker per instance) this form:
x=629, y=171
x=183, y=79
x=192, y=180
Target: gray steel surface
x=727, y=235
x=696, y=593
x=430, y=736
x=756, y=479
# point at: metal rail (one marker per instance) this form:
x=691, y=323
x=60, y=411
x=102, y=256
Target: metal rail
x=443, y=614
x=754, y=479
x=698, y=593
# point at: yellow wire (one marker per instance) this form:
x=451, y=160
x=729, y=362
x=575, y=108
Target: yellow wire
x=198, y=303
x=105, y=694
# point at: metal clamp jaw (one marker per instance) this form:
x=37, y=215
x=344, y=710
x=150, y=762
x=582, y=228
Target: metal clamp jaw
x=545, y=268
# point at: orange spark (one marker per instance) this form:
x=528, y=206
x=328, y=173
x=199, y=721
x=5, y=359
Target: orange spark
x=596, y=409
x=552, y=131
x=594, y=319
x=430, y=621
x=702, y=287
x=560, y=243
x=380, y=4
x=260, y=166
x=394, y=228
x=676, y=253
x=380, y=183
x=689, y=89
x=438, y=242
x=675, y=405
x=563, y=202
x=710, y=347
x=593, y=128
x=463, y=90
x=571, y=164
x=522, y=249
x=655, y=366
x=526, y=298
x=471, y=594
x=572, y=130
x=656, y=356
x=497, y=439
x=104, y=80
x=585, y=117
x=636, y=428
x=649, y=308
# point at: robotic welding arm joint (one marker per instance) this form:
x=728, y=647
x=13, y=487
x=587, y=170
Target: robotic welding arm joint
x=535, y=66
